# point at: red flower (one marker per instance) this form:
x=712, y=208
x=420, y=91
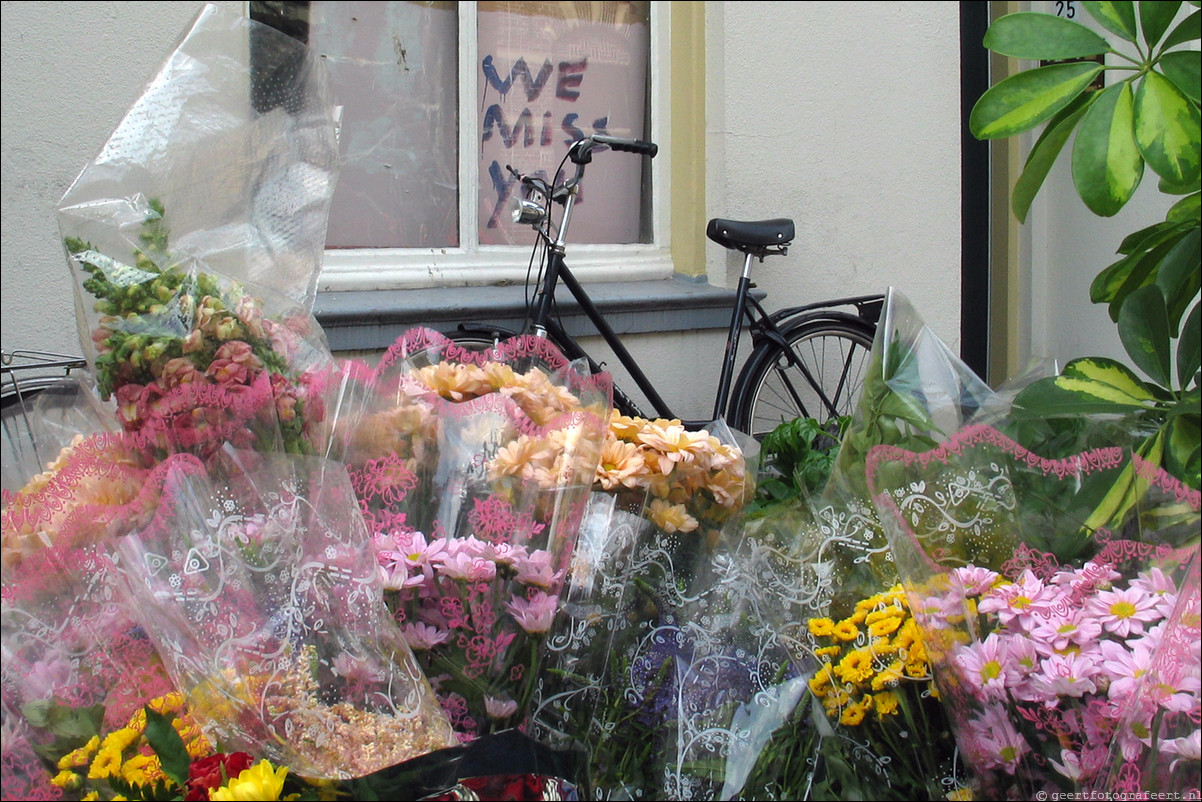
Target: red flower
x=211, y=772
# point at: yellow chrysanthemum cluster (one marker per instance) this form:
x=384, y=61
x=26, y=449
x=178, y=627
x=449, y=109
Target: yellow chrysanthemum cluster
x=689, y=474
x=868, y=657
x=125, y=754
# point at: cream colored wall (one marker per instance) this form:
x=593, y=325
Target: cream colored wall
x=844, y=116
x=70, y=71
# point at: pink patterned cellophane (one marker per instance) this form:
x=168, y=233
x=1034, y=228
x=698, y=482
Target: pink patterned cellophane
x=1067, y=658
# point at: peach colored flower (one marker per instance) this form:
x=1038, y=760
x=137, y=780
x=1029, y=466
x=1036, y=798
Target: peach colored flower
x=671, y=517
x=622, y=464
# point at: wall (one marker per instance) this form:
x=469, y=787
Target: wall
x=844, y=116
x=70, y=70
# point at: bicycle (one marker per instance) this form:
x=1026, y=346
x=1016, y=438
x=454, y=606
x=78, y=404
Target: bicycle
x=805, y=361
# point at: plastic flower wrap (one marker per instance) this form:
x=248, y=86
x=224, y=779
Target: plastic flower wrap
x=75, y=660
x=664, y=667
x=876, y=727
x=258, y=585
x=472, y=469
x=1067, y=655
x=196, y=238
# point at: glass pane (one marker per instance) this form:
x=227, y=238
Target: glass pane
x=550, y=73
x=394, y=69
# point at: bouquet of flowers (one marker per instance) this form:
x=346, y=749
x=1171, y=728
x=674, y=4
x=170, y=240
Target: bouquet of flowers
x=1066, y=656
x=871, y=720
x=472, y=469
x=258, y=585
x=664, y=666
x=195, y=238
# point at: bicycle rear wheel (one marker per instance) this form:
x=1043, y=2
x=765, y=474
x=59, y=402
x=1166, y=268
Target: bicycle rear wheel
x=824, y=380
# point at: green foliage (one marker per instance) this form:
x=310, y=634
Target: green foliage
x=1148, y=117
x=798, y=456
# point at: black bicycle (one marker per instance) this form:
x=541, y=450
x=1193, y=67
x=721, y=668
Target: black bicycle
x=805, y=361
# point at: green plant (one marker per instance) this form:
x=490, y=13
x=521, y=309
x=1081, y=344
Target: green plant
x=798, y=458
x=1148, y=115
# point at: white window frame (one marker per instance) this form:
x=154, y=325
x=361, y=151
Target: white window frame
x=361, y=269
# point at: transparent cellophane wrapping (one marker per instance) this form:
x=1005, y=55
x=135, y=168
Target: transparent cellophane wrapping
x=196, y=238
x=1066, y=652
x=258, y=585
x=76, y=661
x=472, y=468
x=664, y=667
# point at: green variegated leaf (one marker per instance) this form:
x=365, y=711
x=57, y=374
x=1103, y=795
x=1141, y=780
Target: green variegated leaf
x=1118, y=18
x=1111, y=372
x=1167, y=128
x=1035, y=36
x=1182, y=437
x=1189, y=347
x=1155, y=18
x=1189, y=30
x=1180, y=275
x=1107, y=165
x=1023, y=101
x=1184, y=69
x=1144, y=332
x=1045, y=152
x=1091, y=385
x=1186, y=210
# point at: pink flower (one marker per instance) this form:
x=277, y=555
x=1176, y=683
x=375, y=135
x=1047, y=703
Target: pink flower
x=536, y=613
x=1187, y=748
x=1070, y=674
x=972, y=580
x=536, y=570
x=499, y=709
x=1125, y=664
x=989, y=666
x=1159, y=585
x=465, y=566
x=1018, y=602
x=1064, y=629
x=1124, y=611
x=422, y=637
x=995, y=742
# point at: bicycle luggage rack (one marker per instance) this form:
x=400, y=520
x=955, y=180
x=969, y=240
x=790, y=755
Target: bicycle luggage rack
x=47, y=364
x=23, y=375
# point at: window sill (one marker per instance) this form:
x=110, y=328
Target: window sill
x=365, y=321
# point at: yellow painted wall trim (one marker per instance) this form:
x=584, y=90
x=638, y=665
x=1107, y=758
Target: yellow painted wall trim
x=687, y=137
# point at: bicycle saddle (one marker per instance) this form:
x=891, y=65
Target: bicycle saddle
x=751, y=236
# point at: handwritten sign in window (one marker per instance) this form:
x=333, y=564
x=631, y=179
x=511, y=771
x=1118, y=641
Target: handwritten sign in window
x=547, y=78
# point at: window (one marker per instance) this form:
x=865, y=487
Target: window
x=439, y=97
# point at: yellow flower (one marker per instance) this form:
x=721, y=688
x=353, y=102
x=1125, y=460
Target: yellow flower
x=91, y=796
x=960, y=795
x=846, y=630
x=888, y=677
x=828, y=651
x=141, y=769
x=853, y=714
x=259, y=782
x=671, y=517
x=81, y=756
x=821, y=680
x=67, y=780
x=821, y=627
x=885, y=703
x=106, y=764
x=855, y=667
x=883, y=627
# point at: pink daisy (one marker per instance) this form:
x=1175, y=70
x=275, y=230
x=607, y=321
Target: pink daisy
x=1124, y=611
x=534, y=614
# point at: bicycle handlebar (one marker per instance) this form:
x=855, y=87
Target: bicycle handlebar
x=581, y=151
